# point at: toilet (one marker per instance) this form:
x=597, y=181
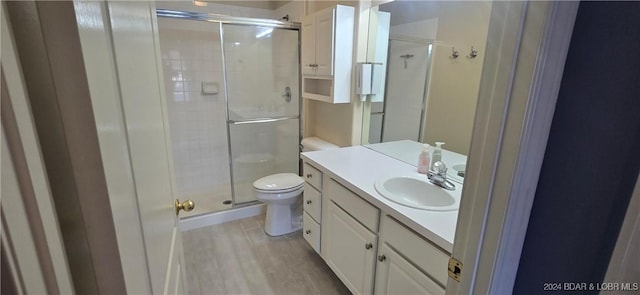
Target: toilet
x=279, y=191
x=282, y=190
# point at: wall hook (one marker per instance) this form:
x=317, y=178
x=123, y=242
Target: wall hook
x=454, y=53
x=473, y=53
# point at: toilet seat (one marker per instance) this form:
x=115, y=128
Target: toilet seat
x=278, y=183
x=278, y=191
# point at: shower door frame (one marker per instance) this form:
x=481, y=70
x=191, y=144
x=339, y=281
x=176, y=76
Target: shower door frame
x=247, y=21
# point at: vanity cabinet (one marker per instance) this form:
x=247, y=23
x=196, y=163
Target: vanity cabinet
x=327, y=54
x=407, y=263
x=370, y=251
x=350, y=240
x=396, y=275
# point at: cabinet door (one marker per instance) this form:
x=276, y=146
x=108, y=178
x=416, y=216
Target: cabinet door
x=351, y=250
x=395, y=275
x=308, y=51
x=324, y=42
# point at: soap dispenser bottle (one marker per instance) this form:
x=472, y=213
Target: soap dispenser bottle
x=437, y=153
x=423, y=160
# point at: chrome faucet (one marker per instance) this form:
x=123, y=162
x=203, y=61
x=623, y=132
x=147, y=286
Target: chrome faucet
x=438, y=176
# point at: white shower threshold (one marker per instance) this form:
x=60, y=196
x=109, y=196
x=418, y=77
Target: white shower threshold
x=214, y=218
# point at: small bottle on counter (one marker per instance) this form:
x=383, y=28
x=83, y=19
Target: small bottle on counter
x=424, y=160
x=437, y=153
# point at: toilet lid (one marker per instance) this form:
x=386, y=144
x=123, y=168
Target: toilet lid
x=278, y=182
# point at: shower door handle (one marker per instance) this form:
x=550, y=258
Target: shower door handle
x=287, y=94
x=187, y=205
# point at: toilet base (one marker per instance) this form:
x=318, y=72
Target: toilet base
x=278, y=221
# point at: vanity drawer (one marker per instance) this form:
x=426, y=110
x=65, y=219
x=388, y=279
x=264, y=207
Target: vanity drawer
x=360, y=209
x=311, y=231
x=416, y=249
x=313, y=176
x=312, y=202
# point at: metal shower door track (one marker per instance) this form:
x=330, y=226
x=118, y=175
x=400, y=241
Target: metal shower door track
x=226, y=19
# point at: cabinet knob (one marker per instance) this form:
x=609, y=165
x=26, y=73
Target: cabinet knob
x=368, y=246
x=308, y=202
x=308, y=231
x=382, y=258
x=309, y=175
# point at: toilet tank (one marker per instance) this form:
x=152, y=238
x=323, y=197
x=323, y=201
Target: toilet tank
x=316, y=144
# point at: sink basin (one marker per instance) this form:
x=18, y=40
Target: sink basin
x=417, y=193
x=459, y=167
x=452, y=173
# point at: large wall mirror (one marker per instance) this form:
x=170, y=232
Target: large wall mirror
x=432, y=52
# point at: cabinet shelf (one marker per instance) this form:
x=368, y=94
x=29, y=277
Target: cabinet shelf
x=318, y=89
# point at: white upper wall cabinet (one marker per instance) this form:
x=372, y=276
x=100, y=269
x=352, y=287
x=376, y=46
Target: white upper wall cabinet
x=317, y=43
x=327, y=54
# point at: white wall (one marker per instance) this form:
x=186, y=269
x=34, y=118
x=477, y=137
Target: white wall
x=295, y=10
x=423, y=29
x=454, y=83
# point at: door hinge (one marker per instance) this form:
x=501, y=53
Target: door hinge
x=455, y=269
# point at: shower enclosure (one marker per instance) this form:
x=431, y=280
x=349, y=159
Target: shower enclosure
x=233, y=101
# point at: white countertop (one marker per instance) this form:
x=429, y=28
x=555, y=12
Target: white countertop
x=358, y=167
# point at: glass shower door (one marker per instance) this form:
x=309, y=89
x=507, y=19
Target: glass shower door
x=261, y=70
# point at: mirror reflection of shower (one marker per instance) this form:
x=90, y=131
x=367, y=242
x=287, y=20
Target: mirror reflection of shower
x=458, y=31
x=405, y=92
x=233, y=104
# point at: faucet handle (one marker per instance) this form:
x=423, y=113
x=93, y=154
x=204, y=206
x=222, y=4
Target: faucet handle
x=439, y=168
x=438, y=176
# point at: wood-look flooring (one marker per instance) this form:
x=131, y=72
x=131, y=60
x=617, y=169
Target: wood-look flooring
x=239, y=258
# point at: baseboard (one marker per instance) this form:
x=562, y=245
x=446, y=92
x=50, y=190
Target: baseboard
x=214, y=218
